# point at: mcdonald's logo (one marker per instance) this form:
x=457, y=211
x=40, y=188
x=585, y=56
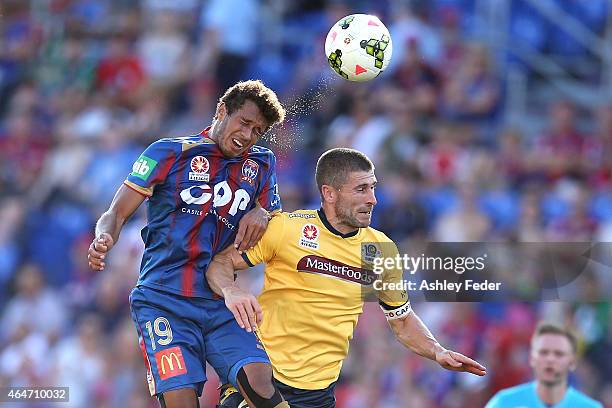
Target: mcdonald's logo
x=170, y=362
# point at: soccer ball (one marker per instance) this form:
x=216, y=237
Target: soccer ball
x=358, y=47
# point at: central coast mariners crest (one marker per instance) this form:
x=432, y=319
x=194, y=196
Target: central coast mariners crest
x=310, y=236
x=199, y=169
x=369, y=252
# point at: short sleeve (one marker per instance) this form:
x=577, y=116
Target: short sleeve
x=268, y=245
x=269, y=198
x=391, y=297
x=152, y=167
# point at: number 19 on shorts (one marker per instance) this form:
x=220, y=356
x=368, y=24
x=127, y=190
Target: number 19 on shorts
x=160, y=329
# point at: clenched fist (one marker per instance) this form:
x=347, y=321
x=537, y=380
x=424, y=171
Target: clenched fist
x=97, y=251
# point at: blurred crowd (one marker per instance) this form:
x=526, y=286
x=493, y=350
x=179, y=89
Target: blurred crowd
x=86, y=85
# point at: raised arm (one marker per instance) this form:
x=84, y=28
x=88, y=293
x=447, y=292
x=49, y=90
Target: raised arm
x=412, y=333
x=108, y=227
x=251, y=228
x=220, y=277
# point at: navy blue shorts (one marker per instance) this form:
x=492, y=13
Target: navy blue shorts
x=299, y=398
x=178, y=334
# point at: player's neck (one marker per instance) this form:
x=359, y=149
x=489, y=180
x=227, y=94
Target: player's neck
x=212, y=133
x=342, y=228
x=552, y=394
x=333, y=220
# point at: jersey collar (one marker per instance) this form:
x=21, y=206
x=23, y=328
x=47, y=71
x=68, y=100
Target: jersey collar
x=334, y=231
x=205, y=133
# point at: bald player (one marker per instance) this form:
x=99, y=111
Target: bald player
x=314, y=285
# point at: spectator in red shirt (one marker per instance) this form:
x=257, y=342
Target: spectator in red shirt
x=418, y=78
x=597, y=153
x=22, y=150
x=120, y=73
x=557, y=153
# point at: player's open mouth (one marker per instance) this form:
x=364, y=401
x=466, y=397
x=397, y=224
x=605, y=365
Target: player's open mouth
x=237, y=143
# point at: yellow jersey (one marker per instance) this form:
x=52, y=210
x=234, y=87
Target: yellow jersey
x=315, y=283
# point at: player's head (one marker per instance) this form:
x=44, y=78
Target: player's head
x=244, y=113
x=346, y=182
x=553, y=354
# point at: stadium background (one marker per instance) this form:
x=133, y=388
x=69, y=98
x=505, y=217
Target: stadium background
x=494, y=122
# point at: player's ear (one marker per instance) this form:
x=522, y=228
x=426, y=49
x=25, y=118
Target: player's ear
x=573, y=363
x=221, y=112
x=531, y=359
x=329, y=193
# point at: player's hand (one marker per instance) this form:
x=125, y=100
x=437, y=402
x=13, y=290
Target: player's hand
x=451, y=360
x=97, y=251
x=244, y=306
x=251, y=228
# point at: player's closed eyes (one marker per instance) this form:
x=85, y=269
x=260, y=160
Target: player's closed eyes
x=258, y=132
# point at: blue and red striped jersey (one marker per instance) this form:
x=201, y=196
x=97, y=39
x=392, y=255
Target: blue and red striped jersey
x=197, y=196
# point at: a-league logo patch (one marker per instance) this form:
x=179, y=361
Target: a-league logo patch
x=250, y=169
x=170, y=362
x=199, y=169
x=310, y=236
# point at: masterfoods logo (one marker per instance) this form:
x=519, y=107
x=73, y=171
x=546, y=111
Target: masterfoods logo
x=335, y=269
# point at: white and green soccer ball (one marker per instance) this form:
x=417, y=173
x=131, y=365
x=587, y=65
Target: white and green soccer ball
x=358, y=47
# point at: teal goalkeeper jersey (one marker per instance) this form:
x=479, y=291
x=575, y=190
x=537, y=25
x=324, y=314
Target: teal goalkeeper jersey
x=525, y=396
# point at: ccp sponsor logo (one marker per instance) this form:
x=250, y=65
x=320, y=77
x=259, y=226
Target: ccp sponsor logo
x=221, y=195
